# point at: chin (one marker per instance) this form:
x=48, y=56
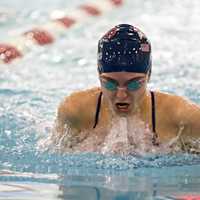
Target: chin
x=122, y=114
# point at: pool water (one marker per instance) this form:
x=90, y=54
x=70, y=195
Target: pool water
x=31, y=89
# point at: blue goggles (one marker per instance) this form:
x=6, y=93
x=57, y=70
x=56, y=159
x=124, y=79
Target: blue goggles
x=113, y=85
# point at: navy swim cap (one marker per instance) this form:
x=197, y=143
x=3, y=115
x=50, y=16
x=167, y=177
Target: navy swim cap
x=124, y=48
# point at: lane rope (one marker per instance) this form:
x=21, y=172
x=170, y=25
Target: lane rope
x=49, y=32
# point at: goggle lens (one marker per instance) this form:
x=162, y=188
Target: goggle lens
x=131, y=86
x=110, y=85
x=134, y=85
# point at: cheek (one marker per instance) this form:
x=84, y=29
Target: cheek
x=141, y=91
x=137, y=95
x=108, y=95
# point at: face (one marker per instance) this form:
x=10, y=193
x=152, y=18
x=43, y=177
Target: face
x=124, y=90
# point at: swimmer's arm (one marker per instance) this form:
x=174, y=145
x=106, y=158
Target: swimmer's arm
x=189, y=118
x=66, y=132
x=67, y=118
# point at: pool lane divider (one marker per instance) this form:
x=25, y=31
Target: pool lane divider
x=188, y=197
x=46, y=34
x=181, y=197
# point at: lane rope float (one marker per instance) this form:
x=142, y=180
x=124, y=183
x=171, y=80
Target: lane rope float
x=46, y=34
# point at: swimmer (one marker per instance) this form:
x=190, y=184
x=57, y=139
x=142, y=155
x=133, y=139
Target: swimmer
x=123, y=112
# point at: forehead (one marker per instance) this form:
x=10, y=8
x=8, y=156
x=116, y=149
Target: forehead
x=122, y=75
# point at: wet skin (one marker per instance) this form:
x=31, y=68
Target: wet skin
x=124, y=101
x=173, y=113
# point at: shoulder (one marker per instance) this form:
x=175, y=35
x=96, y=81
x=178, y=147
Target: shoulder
x=172, y=100
x=78, y=108
x=177, y=106
x=85, y=95
x=80, y=99
x=165, y=99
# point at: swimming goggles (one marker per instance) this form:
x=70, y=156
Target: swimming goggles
x=113, y=85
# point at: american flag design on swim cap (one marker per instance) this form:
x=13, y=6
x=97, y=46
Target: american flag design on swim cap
x=124, y=48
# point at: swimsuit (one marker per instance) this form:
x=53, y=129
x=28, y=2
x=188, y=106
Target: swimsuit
x=153, y=112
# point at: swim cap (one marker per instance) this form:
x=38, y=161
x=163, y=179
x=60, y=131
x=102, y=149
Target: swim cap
x=124, y=48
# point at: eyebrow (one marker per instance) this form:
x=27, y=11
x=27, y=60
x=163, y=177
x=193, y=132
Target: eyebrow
x=135, y=79
x=108, y=78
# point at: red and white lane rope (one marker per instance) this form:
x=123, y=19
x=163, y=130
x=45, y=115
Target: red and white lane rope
x=49, y=32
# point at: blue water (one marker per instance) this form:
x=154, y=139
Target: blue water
x=31, y=89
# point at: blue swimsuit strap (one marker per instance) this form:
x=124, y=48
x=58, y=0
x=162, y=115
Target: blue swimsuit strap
x=153, y=112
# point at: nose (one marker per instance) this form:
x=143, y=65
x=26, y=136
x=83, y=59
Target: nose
x=121, y=93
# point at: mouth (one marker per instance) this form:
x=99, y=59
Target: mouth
x=122, y=107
